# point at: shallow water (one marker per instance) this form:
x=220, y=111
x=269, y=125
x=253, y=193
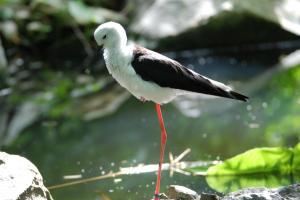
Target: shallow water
x=212, y=128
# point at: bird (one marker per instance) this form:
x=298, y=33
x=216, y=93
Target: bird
x=151, y=76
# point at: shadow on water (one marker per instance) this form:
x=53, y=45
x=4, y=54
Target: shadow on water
x=222, y=128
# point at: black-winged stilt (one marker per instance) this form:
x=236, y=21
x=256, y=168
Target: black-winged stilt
x=150, y=76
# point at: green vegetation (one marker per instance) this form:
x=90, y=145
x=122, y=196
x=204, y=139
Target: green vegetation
x=260, y=160
x=284, y=110
x=259, y=167
x=51, y=61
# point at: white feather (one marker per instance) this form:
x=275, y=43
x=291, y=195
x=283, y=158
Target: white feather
x=118, y=56
x=118, y=62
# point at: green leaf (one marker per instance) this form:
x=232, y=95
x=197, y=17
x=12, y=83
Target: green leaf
x=296, y=159
x=259, y=167
x=257, y=160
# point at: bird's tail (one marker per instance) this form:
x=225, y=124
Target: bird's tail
x=219, y=89
x=238, y=96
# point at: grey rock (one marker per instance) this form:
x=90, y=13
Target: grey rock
x=191, y=12
x=206, y=196
x=194, y=13
x=253, y=194
x=291, y=192
x=163, y=196
x=20, y=179
x=178, y=192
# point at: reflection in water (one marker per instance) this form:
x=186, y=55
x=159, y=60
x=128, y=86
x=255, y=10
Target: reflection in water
x=175, y=165
x=226, y=184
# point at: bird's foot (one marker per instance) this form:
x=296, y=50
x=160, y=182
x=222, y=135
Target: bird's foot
x=143, y=99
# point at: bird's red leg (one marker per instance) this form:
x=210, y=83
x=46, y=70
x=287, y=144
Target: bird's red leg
x=162, y=149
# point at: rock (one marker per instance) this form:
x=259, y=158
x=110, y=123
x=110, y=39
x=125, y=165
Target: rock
x=221, y=30
x=162, y=196
x=178, y=192
x=206, y=196
x=191, y=13
x=194, y=13
x=214, y=24
x=291, y=192
x=20, y=179
x=253, y=194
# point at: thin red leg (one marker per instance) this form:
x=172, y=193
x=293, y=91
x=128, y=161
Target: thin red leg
x=162, y=149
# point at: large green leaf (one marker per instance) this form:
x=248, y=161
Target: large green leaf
x=296, y=159
x=256, y=160
x=259, y=167
x=260, y=160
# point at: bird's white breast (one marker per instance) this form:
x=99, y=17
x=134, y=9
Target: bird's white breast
x=119, y=66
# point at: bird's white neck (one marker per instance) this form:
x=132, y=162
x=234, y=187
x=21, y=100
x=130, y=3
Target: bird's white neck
x=115, y=52
x=117, y=56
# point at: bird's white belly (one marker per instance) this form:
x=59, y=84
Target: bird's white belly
x=143, y=89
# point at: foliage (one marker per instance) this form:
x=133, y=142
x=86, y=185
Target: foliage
x=258, y=160
x=259, y=167
x=40, y=17
x=49, y=50
x=284, y=106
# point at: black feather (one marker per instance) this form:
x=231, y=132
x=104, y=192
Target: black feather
x=165, y=72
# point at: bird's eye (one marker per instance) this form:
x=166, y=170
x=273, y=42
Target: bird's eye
x=104, y=37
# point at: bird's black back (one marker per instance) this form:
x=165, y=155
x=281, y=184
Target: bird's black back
x=165, y=72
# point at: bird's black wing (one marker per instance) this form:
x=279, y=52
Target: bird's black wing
x=165, y=72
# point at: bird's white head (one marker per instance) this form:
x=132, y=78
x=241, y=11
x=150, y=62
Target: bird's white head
x=110, y=35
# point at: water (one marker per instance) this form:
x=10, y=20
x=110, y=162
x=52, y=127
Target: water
x=212, y=128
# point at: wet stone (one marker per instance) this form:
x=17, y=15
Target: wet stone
x=177, y=192
x=20, y=179
x=206, y=196
x=163, y=196
x=291, y=192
